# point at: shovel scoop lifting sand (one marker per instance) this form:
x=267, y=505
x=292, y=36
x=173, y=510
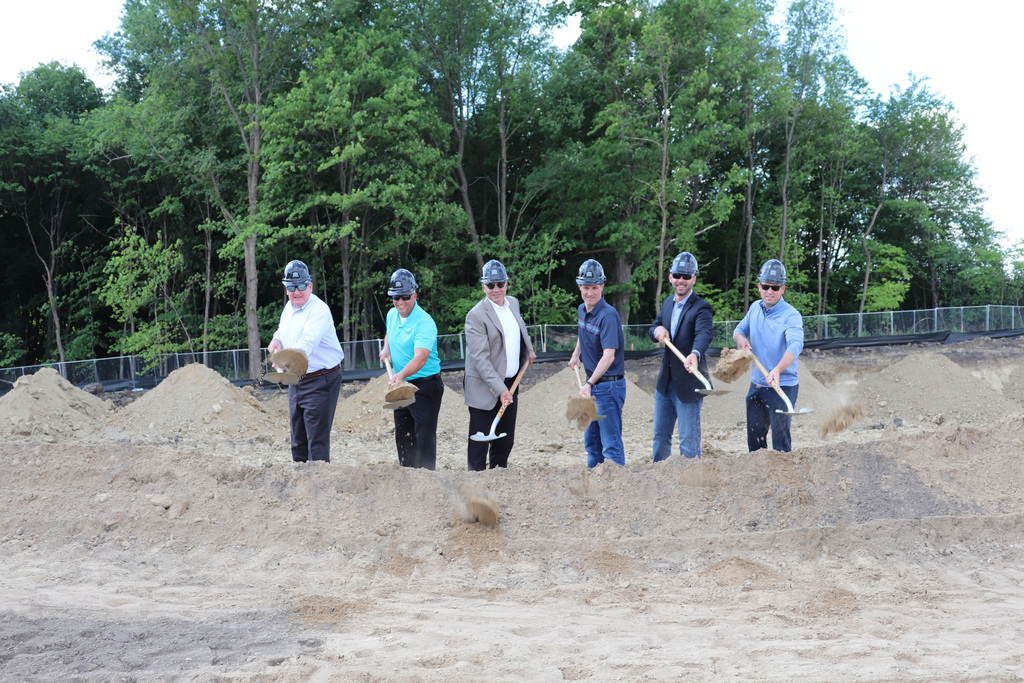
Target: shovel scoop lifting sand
x=401, y=396
x=480, y=436
x=293, y=364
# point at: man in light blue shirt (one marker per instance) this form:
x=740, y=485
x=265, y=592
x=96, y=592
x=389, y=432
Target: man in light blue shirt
x=774, y=331
x=411, y=343
x=307, y=325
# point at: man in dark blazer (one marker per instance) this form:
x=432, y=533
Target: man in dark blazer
x=686, y=320
x=498, y=346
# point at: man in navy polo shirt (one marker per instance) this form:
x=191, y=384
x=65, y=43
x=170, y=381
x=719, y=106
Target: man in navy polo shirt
x=600, y=344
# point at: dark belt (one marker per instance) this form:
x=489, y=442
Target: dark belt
x=318, y=373
x=609, y=378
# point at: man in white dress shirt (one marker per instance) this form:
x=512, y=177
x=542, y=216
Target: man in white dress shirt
x=497, y=348
x=307, y=324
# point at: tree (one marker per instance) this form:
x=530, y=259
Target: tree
x=42, y=173
x=354, y=164
x=222, y=59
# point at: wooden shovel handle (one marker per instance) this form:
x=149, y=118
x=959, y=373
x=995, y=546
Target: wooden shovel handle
x=764, y=371
x=387, y=364
x=512, y=389
x=693, y=371
x=579, y=380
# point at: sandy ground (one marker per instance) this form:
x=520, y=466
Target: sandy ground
x=172, y=539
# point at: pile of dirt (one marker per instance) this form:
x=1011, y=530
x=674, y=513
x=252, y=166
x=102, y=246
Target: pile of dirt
x=46, y=407
x=928, y=386
x=363, y=412
x=196, y=402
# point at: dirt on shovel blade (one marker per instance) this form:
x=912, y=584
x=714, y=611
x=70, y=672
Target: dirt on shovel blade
x=291, y=360
x=732, y=365
x=402, y=392
x=582, y=411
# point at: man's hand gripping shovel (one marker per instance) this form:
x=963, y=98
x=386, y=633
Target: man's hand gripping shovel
x=480, y=436
x=790, y=410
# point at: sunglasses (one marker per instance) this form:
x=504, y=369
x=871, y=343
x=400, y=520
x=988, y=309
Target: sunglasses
x=402, y=297
x=774, y=288
x=492, y=285
x=683, y=276
x=301, y=288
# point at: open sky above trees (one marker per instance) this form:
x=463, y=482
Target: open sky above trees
x=155, y=215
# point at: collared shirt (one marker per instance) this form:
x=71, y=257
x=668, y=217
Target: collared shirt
x=598, y=330
x=677, y=312
x=311, y=330
x=405, y=335
x=771, y=332
x=510, y=330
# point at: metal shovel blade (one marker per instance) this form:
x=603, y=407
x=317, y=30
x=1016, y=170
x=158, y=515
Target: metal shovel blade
x=392, y=405
x=789, y=405
x=480, y=436
x=802, y=411
x=281, y=378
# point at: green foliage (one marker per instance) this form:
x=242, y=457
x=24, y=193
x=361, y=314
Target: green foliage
x=362, y=138
x=11, y=350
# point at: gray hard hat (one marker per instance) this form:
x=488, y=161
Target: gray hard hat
x=591, y=273
x=402, y=282
x=494, y=271
x=773, y=272
x=684, y=264
x=296, y=273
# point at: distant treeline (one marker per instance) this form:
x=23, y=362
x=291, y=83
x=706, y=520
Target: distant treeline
x=435, y=135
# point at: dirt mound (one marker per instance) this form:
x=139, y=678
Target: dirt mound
x=196, y=401
x=363, y=412
x=45, y=406
x=252, y=567
x=928, y=386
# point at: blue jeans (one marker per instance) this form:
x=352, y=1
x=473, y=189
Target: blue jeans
x=761, y=405
x=669, y=411
x=603, y=438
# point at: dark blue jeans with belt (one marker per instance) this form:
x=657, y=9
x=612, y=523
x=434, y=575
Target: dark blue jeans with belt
x=762, y=402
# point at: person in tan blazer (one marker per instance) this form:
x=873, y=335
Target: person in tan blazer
x=498, y=346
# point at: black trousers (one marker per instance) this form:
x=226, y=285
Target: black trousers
x=311, y=406
x=416, y=425
x=480, y=421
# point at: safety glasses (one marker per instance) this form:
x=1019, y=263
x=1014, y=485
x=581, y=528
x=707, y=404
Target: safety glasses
x=301, y=288
x=401, y=297
x=774, y=288
x=492, y=285
x=683, y=276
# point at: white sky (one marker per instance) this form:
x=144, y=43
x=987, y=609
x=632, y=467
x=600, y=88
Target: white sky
x=969, y=52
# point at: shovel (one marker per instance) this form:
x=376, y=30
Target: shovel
x=402, y=392
x=582, y=410
x=789, y=404
x=707, y=390
x=293, y=364
x=400, y=403
x=480, y=436
x=281, y=378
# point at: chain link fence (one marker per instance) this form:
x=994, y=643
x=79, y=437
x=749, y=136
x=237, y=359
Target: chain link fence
x=135, y=372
